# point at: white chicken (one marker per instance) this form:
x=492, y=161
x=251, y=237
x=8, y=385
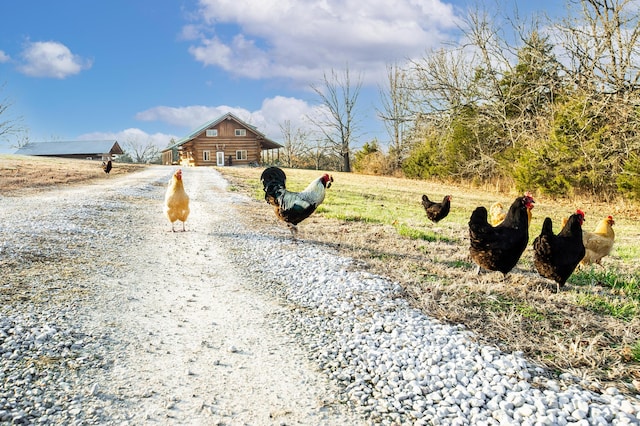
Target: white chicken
x=176, y=201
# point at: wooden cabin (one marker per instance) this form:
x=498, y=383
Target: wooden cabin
x=226, y=141
x=102, y=150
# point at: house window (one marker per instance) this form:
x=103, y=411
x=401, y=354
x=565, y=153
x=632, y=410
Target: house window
x=241, y=132
x=212, y=133
x=206, y=155
x=241, y=155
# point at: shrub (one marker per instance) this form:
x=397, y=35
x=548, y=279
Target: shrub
x=420, y=163
x=371, y=160
x=629, y=180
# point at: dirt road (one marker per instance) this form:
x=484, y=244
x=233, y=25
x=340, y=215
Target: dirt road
x=190, y=339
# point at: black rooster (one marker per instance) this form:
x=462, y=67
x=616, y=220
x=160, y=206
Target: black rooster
x=556, y=256
x=436, y=211
x=107, y=166
x=499, y=248
x=293, y=207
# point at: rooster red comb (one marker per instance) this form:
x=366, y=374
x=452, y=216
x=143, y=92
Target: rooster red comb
x=528, y=199
x=327, y=179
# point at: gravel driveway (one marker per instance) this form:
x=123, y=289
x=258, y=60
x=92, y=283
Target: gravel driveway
x=108, y=317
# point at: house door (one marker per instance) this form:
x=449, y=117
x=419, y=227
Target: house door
x=220, y=158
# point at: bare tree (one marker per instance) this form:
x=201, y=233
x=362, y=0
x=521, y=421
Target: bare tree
x=295, y=144
x=396, y=112
x=602, y=45
x=318, y=151
x=142, y=152
x=338, y=95
x=22, y=138
x=10, y=126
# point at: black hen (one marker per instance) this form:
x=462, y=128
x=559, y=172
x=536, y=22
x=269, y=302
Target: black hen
x=292, y=207
x=556, y=256
x=436, y=211
x=499, y=248
x=107, y=166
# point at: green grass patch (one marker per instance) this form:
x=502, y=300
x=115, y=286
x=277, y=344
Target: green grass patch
x=628, y=285
x=498, y=303
x=381, y=256
x=528, y=311
x=623, y=302
x=608, y=306
x=635, y=351
x=459, y=264
x=627, y=253
x=431, y=278
x=419, y=234
x=416, y=234
x=347, y=217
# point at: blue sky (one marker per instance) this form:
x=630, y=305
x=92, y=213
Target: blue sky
x=148, y=70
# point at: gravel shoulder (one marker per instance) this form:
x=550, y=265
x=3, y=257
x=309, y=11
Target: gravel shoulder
x=162, y=327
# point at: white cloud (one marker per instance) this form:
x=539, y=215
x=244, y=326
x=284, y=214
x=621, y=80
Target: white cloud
x=132, y=135
x=293, y=39
x=4, y=57
x=272, y=113
x=51, y=59
x=190, y=117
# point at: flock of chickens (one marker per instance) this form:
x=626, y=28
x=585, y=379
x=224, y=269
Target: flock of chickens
x=498, y=241
x=497, y=238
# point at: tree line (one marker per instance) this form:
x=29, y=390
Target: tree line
x=536, y=104
x=558, y=112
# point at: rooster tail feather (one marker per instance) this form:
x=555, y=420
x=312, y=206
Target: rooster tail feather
x=273, y=181
x=273, y=175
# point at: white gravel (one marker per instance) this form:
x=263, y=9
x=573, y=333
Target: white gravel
x=107, y=318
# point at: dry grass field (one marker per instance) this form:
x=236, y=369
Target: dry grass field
x=20, y=173
x=590, y=328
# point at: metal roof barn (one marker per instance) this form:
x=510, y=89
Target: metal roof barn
x=88, y=150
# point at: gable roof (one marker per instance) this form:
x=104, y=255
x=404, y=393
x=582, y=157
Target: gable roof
x=71, y=148
x=266, y=142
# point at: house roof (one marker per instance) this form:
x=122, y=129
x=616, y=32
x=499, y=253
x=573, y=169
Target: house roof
x=71, y=148
x=266, y=142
